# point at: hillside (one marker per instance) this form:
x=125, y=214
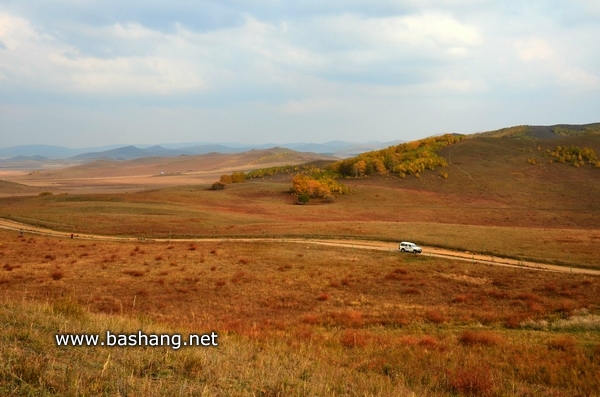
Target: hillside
x=11, y=188
x=186, y=164
x=543, y=131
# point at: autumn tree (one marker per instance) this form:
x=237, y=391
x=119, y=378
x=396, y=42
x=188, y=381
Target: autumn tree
x=225, y=179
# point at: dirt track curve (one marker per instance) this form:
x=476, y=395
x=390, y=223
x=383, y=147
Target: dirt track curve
x=353, y=244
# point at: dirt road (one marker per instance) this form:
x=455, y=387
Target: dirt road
x=352, y=244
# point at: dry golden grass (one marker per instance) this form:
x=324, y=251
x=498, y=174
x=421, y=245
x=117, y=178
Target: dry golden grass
x=294, y=320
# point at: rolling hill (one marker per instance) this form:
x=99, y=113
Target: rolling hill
x=212, y=162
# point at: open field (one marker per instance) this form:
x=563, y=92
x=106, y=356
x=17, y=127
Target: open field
x=314, y=320
x=308, y=319
x=264, y=209
x=492, y=202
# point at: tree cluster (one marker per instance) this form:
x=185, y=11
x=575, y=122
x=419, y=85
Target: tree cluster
x=575, y=155
x=270, y=171
x=226, y=179
x=410, y=158
x=587, y=130
x=317, y=185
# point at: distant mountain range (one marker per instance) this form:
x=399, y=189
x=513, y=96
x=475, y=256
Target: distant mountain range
x=58, y=154
x=33, y=153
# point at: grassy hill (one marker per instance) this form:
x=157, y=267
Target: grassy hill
x=11, y=188
x=186, y=164
x=544, y=132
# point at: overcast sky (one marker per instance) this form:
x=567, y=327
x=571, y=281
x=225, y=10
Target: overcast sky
x=82, y=73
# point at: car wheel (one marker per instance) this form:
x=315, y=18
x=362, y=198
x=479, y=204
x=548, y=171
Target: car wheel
x=402, y=250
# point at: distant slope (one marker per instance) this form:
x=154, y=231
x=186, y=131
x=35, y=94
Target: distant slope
x=543, y=132
x=127, y=153
x=9, y=188
x=185, y=164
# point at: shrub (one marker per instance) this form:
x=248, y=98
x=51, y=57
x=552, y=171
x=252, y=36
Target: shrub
x=238, y=177
x=217, y=186
x=225, y=179
x=303, y=198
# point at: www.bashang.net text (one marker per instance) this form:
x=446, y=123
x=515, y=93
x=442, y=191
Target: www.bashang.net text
x=175, y=341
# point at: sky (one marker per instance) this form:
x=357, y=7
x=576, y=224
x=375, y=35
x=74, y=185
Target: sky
x=83, y=73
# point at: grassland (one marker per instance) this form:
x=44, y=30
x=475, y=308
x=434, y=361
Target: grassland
x=314, y=321
x=299, y=319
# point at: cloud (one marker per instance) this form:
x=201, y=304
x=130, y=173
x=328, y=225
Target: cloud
x=550, y=64
x=32, y=58
x=343, y=65
x=531, y=49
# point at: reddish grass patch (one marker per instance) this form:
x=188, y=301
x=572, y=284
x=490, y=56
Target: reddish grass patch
x=398, y=319
x=348, y=318
x=562, y=343
x=497, y=294
x=528, y=296
x=57, y=275
x=515, y=320
x=311, y=318
x=472, y=380
x=483, y=338
x=396, y=274
x=565, y=306
x=551, y=288
x=241, y=277
x=134, y=273
x=352, y=338
x=460, y=298
x=324, y=296
x=435, y=316
x=428, y=342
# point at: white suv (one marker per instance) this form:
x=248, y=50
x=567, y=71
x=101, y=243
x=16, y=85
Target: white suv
x=410, y=247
